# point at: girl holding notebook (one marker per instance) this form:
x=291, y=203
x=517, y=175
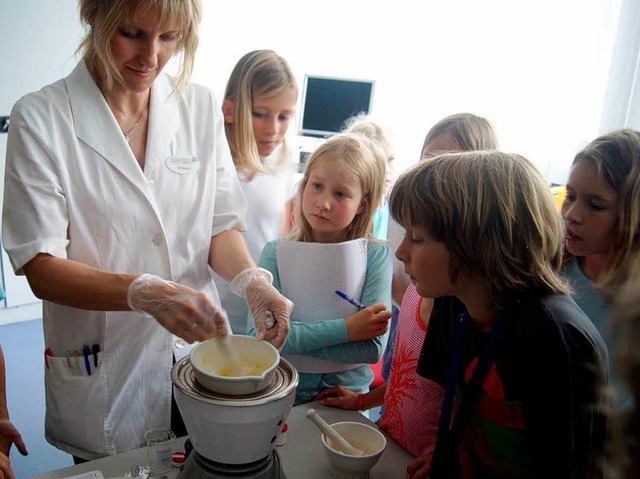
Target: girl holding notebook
x=332, y=248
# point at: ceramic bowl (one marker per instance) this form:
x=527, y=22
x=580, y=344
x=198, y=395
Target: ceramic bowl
x=255, y=364
x=362, y=436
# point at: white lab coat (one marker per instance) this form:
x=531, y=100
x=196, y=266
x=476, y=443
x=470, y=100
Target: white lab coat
x=73, y=189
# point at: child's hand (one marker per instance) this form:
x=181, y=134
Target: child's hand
x=419, y=469
x=368, y=323
x=338, y=396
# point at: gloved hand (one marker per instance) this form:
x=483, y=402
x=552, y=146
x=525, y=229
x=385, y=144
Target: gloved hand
x=270, y=309
x=183, y=311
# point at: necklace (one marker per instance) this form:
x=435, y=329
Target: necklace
x=128, y=132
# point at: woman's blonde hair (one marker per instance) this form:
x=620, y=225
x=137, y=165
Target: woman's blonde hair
x=494, y=213
x=616, y=157
x=468, y=131
x=104, y=17
x=258, y=73
x=355, y=155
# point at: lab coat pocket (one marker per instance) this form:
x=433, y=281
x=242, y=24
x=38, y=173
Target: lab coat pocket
x=75, y=404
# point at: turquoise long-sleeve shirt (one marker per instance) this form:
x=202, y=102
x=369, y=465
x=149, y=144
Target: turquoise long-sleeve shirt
x=327, y=339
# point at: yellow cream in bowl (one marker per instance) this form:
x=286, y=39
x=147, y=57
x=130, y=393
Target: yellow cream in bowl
x=244, y=367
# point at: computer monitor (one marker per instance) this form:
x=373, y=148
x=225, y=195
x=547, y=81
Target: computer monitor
x=328, y=102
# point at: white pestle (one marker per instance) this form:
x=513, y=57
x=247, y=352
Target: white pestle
x=332, y=434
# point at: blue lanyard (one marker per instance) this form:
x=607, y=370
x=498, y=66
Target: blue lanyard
x=448, y=439
x=447, y=403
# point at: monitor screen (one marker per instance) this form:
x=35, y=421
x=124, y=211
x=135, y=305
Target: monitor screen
x=329, y=102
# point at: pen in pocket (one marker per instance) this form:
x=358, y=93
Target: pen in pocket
x=86, y=352
x=95, y=350
x=76, y=361
x=47, y=355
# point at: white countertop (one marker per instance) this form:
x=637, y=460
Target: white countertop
x=302, y=456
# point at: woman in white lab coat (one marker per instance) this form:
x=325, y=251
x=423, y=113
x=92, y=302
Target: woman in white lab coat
x=120, y=193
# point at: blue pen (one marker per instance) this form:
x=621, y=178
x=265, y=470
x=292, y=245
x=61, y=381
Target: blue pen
x=86, y=352
x=356, y=303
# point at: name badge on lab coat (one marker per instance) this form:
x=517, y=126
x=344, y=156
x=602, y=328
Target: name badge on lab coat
x=183, y=165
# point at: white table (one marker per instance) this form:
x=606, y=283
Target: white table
x=302, y=456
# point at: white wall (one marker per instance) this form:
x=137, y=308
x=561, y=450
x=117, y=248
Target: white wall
x=537, y=70
x=39, y=41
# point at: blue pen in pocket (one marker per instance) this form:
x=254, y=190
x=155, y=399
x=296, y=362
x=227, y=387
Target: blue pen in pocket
x=86, y=352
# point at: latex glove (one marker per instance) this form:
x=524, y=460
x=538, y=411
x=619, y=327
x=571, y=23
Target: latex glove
x=183, y=311
x=9, y=435
x=269, y=308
